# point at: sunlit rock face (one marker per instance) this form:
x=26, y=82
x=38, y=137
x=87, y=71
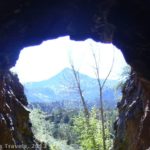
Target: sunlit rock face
x=126, y=23
x=15, y=128
x=133, y=124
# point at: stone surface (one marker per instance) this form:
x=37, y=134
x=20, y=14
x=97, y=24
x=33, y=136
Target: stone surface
x=15, y=128
x=132, y=29
x=29, y=22
x=133, y=124
x=124, y=22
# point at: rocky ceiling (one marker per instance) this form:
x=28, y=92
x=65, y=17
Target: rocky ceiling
x=126, y=23
x=29, y=22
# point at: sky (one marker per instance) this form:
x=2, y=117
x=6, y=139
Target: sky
x=43, y=61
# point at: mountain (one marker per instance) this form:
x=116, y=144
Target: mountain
x=62, y=88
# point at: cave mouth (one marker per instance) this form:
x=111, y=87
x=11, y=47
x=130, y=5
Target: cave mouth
x=54, y=100
x=40, y=62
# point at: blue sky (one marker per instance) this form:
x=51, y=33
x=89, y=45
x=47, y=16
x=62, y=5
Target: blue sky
x=43, y=61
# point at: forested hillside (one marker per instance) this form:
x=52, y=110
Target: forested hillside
x=61, y=89
x=64, y=129
x=58, y=116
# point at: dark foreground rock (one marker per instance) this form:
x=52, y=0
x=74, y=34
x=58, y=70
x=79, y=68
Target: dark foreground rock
x=133, y=125
x=15, y=128
x=125, y=23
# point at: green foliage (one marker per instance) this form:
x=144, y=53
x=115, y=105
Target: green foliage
x=85, y=133
x=40, y=125
x=124, y=77
x=52, y=129
x=67, y=130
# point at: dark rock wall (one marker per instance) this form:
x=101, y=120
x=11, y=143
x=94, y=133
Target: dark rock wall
x=14, y=117
x=132, y=29
x=29, y=22
x=133, y=124
x=124, y=22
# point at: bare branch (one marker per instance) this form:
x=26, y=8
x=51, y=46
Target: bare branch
x=85, y=111
x=101, y=86
x=109, y=70
x=96, y=68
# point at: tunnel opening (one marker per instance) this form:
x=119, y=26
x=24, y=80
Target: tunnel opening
x=48, y=73
x=125, y=23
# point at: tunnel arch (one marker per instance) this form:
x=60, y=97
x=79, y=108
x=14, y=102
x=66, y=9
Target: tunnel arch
x=124, y=23
x=26, y=23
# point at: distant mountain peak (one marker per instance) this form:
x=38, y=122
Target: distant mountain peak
x=62, y=87
x=66, y=69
